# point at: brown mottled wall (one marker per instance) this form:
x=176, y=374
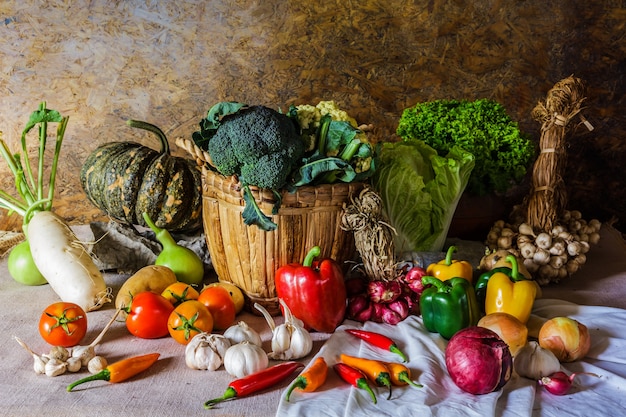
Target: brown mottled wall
x=166, y=62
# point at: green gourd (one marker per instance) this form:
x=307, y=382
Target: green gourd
x=185, y=263
x=126, y=179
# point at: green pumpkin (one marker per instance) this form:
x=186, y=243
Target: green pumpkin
x=125, y=179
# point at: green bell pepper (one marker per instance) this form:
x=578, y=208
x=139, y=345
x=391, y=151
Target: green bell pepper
x=448, y=306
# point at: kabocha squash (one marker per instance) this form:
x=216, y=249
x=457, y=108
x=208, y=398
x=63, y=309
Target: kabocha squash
x=126, y=179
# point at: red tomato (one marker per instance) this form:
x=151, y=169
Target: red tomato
x=63, y=324
x=220, y=304
x=148, y=314
x=188, y=319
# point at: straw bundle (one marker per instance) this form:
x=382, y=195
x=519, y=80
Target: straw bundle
x=548, y=197
x=373, y=235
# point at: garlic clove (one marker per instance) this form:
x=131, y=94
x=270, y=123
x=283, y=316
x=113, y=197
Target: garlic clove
x=60, y=353
x=84, y=353
x=55, y=367
x=39, y=364
x=74, y=364
x=97, y=364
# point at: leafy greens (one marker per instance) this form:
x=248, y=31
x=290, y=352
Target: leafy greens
x=420, y=191
x=502, y=152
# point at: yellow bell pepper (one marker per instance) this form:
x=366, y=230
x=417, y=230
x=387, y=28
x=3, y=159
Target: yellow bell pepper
x=448, y=268
x=512, y=294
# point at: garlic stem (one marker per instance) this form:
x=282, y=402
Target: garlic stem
x=266, y=314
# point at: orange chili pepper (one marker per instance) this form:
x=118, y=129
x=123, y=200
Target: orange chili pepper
x=376, y=371
x=311, y=378
x=401, y=375
x=121, y=370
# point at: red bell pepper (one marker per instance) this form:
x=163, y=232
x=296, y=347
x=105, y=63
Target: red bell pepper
x=315, y=292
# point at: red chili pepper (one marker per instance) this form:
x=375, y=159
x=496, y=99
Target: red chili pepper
x=354, y=377
x=315, y=292
x=378, y=340
x=256, y=382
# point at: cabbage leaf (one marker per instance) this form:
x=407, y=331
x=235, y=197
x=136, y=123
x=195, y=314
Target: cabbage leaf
x=420, y=191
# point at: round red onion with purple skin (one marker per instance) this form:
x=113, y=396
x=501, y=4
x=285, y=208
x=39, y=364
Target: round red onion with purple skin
x=478, y=360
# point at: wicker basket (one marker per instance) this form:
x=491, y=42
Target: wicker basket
x=248, y=256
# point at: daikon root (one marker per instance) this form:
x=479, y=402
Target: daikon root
x=65, y=263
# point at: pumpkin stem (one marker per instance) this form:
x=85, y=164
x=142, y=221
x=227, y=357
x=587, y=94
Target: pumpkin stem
x=165, y=146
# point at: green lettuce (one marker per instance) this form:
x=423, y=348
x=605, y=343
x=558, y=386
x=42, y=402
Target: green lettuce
x=420, y=191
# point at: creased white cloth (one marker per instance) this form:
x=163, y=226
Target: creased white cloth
x=603, y=395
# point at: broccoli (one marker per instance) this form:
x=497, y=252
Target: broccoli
x=259, y=145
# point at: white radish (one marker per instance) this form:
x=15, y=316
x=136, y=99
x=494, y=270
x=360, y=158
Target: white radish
x=65, y=263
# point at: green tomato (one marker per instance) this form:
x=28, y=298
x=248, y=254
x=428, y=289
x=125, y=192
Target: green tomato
x=22, y=267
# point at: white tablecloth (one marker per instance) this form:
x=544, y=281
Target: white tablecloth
x=169, y=388
x=441, y=397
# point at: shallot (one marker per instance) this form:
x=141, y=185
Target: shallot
x=359, y=308
x=559, y=383
x=384, y=291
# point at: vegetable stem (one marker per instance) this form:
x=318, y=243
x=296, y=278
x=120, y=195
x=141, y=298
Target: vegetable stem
x=313, y=253
x=55, y=161
x=165, y=147
x=31, y=190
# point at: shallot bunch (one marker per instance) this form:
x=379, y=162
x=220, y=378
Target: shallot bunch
x=549, y=255
x=386, y=301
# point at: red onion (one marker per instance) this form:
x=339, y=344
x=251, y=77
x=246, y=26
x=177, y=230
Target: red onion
x=384, y=291
x=359, y=308
x=478, y=360
x=413, y=279
x=559, y=383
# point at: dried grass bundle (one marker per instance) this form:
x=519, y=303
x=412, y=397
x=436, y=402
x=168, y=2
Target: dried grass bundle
x=373, y=236
x=548, y=197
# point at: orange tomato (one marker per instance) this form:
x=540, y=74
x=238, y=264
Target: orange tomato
x=221, y=306
x=188, y=319
x=234, y=291
x=180, y=292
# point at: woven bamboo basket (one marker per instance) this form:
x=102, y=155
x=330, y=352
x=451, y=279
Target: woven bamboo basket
x=248, y=256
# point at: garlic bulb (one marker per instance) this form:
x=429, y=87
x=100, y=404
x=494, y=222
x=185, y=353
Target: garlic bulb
x=240, y=332
x=290, y=340
x=244, y=359
x=534, y=362
x=206, y=351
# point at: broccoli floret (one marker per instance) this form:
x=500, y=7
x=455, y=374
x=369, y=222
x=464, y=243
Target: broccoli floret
x=261, y=146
